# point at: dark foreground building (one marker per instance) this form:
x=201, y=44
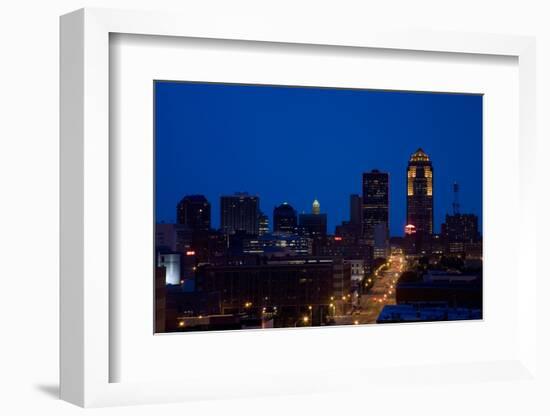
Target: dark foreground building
x=290, y=289
x=435, y=296
x=193, y=211
x=375, y=204
x=285, y=220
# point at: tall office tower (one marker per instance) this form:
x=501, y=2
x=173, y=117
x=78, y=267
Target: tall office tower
x=381, y=244
x=285, y=219
x=239, y=213
x=314, y=224
x=420, y=198
x=263, y=224
x=355, y=209
x=375, y=203
x=193, y=211
x=459, y=232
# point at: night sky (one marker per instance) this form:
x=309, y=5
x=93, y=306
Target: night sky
x=295, y=144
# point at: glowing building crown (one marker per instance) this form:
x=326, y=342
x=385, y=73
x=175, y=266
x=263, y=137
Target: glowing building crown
x=316, y=207
x=420, y=156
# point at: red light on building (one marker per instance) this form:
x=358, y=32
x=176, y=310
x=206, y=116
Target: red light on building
x=410, y=229
x=337, y=238
x=190, y=253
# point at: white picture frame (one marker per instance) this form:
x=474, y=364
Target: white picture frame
x=86, y=355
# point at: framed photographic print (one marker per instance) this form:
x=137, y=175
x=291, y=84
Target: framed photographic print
x=270, y=212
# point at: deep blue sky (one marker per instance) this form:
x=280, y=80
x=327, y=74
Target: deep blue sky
x=295, y=144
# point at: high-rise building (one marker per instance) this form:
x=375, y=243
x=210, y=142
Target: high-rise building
x=193, y=211
x=420, y=187
x=282, y=244
x=381, y=243
x=172, y=264
x=314, y=224
x=355, y=209
x=459, y=231
x=285, y=220
x=316, y=207
x=165, y=236
x=240, y=213
x=348, y=231
x=263, y=224
x=375, y=203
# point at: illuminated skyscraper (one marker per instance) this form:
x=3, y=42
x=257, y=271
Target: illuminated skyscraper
x=375, y=203
x=420, y=197
x=314, y=224
x=316, y=207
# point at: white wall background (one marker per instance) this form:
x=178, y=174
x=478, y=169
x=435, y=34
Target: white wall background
x=29, y=188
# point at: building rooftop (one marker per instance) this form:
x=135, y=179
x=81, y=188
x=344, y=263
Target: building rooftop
x=419, y=156
x=412, y=313
x=195, y=198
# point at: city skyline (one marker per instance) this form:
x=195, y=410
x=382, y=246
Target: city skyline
x=321, y=176
x=374, y=205
x=284, y=198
